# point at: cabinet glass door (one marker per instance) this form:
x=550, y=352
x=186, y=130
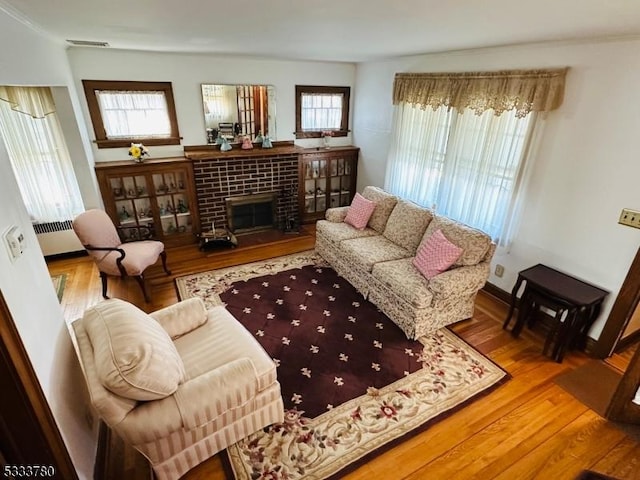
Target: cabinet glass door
x=315, y=184
x=340, y=182
x=172, y=201
x=133, y=206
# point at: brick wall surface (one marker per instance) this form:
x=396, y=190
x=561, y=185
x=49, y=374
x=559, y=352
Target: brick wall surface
x=234, y=176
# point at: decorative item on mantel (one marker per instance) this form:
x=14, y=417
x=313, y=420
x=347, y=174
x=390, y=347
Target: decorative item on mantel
x=246, y=143
x=326, y=137
x=259, y=137
x=266, y=142
x=225, y=146
x=138, y=151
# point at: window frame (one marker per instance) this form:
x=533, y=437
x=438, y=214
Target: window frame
x=90, y=87
x=319, y=89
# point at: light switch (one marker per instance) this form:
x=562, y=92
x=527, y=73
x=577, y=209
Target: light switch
x=14, y=240
x=629, y=217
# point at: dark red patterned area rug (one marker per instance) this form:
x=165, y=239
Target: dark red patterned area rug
x=352, y=383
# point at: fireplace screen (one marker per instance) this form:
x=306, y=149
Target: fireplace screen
x=251, y=212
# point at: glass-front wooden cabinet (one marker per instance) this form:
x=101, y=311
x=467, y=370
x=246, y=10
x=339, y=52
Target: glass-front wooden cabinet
x=154, y=199
x=327, y=179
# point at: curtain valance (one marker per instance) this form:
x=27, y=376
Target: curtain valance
x=522, y=90
x=34, y=101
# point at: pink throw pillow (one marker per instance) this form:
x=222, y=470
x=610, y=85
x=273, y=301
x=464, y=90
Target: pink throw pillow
x=359, y=212
x=436, y=255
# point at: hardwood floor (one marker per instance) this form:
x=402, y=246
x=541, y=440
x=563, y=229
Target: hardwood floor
x=527, y=428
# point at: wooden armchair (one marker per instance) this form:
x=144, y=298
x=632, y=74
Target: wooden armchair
x=112, y=255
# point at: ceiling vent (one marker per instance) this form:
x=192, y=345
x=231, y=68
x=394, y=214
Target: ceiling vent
x=87, y=43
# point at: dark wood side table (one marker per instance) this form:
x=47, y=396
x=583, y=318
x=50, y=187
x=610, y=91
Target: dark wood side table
x=562, y=293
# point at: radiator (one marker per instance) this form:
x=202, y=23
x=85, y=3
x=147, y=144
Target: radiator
x=56, y=238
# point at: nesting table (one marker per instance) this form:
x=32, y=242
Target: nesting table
x=576, y=305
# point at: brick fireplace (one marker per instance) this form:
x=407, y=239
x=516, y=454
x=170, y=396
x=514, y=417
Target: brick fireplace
x=247, y=213
x=220, y=176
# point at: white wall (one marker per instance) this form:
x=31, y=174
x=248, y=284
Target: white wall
x=187, y=72
x=29, y=59
x=586, y=168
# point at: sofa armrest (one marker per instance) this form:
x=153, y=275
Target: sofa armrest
x=182, y=317
x=336, y=214
x=460, y=281
x=196, y=402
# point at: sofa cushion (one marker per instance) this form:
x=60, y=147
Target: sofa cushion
x=401, y=277
x=359, y=212
x=384, y=206
x=474, y=243
x=407, y=223
x=366, y=252
x=336, y=232
x=436, y=255
x=133, y=354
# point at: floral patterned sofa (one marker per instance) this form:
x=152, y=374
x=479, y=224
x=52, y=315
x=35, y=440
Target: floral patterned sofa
x=378, y=262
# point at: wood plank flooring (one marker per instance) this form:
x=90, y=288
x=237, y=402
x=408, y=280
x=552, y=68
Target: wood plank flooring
x=527, y=428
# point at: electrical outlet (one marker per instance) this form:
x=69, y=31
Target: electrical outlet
x=630, y=218
x=499, y=271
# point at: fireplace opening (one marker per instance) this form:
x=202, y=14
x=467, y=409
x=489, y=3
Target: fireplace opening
x=248, y=213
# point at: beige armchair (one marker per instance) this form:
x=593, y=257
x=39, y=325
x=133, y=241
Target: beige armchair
x=100, y=238
x=178, y=385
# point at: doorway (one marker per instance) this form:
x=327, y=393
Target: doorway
x=28, y=432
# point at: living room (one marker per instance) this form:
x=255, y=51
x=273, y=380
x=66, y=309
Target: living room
x=583, y=174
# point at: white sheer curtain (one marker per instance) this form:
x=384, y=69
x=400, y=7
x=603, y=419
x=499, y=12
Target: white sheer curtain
x=469, y=167
x=321, y=111
x=40, y=161
x=134, y=114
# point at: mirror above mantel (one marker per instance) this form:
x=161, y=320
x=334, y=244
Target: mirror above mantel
x=237, y=111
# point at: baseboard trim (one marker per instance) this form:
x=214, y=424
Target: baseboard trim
x=497, y=292
x=65, y=255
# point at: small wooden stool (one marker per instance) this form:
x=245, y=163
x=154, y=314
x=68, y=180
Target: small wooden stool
x=561, y=334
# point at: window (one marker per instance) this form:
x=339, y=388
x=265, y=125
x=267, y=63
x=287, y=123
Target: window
x=320, y=109
x=468, y=166
x=39, y=156
x=126, y=112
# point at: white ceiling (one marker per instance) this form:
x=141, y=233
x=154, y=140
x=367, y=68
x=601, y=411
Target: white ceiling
x=334, y=30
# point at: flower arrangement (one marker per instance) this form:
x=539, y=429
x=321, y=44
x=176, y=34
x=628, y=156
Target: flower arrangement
x=138, y=151
x=326, y=137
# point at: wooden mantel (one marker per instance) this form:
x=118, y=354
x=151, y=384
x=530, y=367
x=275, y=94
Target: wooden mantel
x=212, y=152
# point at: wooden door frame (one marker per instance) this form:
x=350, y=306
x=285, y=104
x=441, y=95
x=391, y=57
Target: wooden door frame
x=621, y=313
x=621, y=408
x=11, y=342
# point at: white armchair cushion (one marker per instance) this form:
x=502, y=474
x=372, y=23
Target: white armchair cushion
x=134, y=356
x=138, y=256
x=182, y=317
